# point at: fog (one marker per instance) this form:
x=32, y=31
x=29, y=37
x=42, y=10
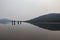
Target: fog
x=27, y=9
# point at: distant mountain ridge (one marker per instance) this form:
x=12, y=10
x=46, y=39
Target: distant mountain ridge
x=48, y=21
x=53, y=17
x=5, y=21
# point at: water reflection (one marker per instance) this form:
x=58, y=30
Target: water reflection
x=26, y=31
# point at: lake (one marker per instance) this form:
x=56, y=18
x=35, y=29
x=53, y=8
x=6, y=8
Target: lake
x=26, y=31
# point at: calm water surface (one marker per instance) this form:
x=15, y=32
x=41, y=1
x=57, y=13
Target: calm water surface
x=26, y=31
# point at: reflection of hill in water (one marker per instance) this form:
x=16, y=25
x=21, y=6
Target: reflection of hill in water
x=26, y=31
x=49, y=21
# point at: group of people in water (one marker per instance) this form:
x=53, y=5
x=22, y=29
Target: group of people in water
x=14, y=22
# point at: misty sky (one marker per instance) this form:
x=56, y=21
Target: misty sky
x=27, y=9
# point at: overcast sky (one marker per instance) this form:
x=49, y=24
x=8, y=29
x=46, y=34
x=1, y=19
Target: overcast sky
x=27, y=9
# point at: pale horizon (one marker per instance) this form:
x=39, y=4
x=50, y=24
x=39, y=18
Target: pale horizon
x=27, y=9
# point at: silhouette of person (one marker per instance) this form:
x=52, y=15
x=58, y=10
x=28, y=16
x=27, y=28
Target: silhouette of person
x=14, y=22
x=18, y=22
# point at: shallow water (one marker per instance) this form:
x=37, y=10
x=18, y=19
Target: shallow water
x=26, y=31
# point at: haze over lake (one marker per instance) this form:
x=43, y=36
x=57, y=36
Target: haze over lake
x=25, y=10
x=26, y=31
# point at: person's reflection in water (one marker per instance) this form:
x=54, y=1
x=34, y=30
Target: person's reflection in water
x=13, y=22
